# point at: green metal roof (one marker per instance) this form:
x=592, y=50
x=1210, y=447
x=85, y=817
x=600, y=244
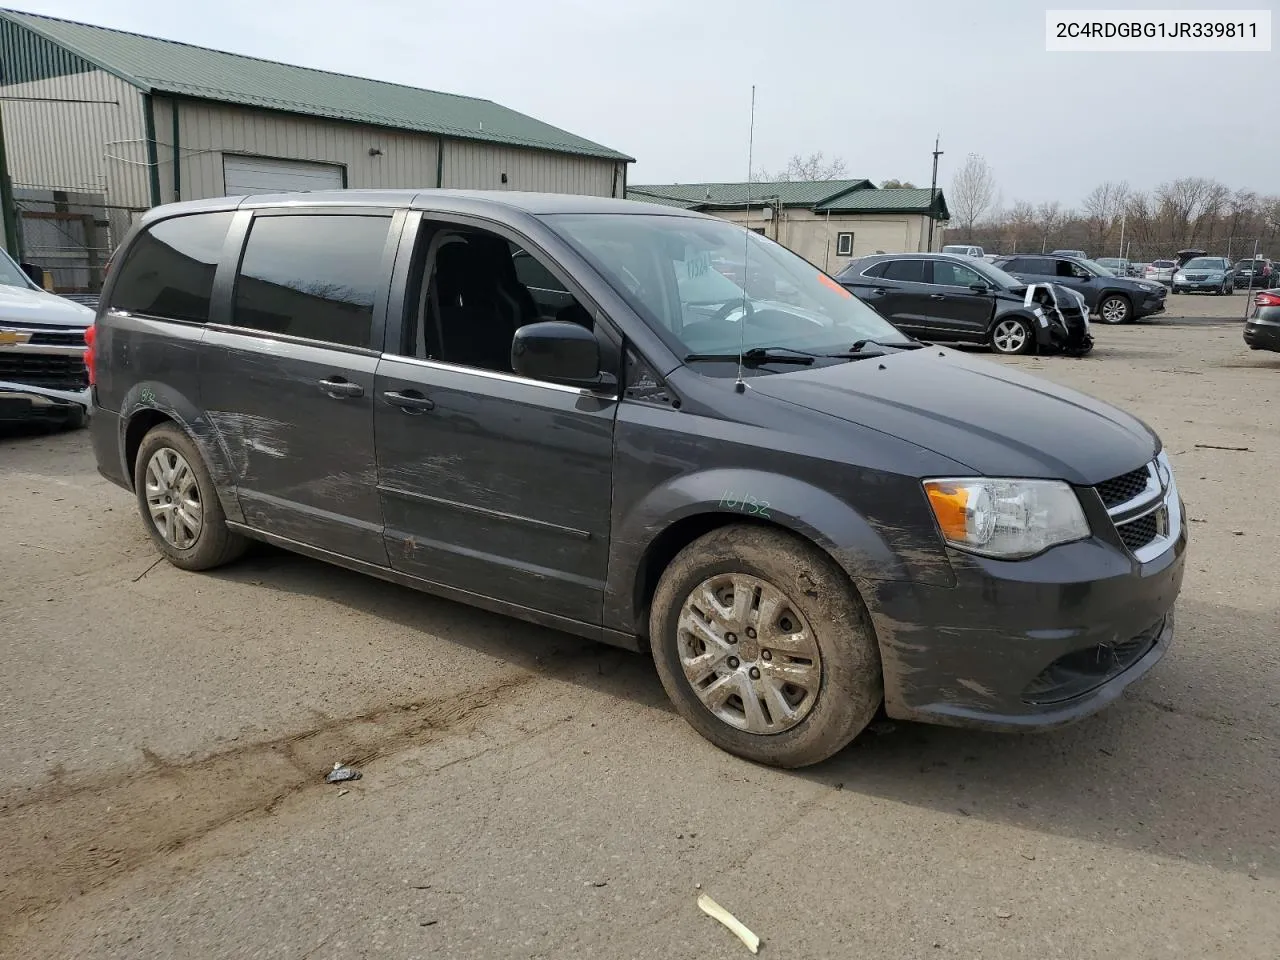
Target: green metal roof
x=791, y=193
x=897, y=200
x=169, y=67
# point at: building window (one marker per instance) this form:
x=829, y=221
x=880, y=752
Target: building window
x=844, y=244
x=759, y=230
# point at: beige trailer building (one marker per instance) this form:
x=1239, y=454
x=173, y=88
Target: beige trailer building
x=828, y=222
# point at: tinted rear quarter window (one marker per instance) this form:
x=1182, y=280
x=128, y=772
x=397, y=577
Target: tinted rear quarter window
x=907, y=271
x=312, y=276
x=168, y=270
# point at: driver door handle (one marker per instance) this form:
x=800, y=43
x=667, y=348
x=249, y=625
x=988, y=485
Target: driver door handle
x=936, y=296
x=410, y=401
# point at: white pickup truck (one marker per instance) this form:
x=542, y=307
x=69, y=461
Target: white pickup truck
x=42, y=371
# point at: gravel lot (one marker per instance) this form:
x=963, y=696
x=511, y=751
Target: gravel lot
x=526, y=794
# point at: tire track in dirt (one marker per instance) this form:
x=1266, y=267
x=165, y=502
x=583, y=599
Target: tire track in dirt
x=67, y=838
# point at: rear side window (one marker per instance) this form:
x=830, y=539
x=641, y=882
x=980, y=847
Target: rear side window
x=1034, y=265
x=312, y=276
x=908, y=271
x=168, y=271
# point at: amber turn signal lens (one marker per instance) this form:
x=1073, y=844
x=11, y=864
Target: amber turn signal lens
x=950, y=505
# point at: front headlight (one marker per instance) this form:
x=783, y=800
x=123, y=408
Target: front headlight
x=1008, y=519
x=1179, y=275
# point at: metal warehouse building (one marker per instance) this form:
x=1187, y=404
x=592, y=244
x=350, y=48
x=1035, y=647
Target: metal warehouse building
x=101, y=124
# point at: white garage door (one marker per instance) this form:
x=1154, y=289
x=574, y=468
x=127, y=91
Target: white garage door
x=245, y=176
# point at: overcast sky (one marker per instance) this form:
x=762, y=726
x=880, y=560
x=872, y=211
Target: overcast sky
x=668, y=81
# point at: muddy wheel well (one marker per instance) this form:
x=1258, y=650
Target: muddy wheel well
x=663, y=550
x=140, y=425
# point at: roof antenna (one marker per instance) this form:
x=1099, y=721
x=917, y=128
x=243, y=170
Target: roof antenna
x=740, y=385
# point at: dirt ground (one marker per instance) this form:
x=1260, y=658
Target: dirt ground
x=163, y=738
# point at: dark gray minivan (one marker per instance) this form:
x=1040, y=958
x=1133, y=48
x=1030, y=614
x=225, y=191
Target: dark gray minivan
x=560, y=408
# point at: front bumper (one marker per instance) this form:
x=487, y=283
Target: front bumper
x=1195, y=286
x=1029, y=644
x=1150, y=305
x=22, y=401
x=1262, y=334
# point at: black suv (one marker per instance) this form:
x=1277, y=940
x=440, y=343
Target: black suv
x=1114, y=299
x=957, y=299
x=1257, y=274
x=557, y=407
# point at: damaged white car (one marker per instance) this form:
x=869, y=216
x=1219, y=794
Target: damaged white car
x=42, y=346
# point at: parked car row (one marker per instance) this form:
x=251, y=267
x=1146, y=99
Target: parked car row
x=959, y=299
x=1113, y=299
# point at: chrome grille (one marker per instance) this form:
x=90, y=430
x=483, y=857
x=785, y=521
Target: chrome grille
x=1145, y=508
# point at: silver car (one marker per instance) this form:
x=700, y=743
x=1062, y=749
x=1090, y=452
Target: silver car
x=1161, y=271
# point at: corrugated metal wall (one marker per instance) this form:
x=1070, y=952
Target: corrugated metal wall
x=480, y=166
x=207, y=130
x=81, y=147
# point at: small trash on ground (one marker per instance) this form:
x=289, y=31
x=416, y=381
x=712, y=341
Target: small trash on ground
x=427, y=923
x=717, y=912
x=341, y=774
x=1003, y=914
x=1215, y=446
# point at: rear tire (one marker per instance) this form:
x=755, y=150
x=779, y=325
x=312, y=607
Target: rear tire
x=764, y=646
x=179, y=504
x=1115, y=309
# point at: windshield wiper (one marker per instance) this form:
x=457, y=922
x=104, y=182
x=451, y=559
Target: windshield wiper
x=858, y=345
x=758, y=355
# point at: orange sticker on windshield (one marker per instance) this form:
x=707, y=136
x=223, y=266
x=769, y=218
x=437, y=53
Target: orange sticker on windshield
x=823, y=278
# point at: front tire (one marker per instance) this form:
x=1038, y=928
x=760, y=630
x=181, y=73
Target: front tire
x=1115, y=310
x=764, y=646
x=179, y=504
x=1012, y=336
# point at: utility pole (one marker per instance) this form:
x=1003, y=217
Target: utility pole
x=933, y=191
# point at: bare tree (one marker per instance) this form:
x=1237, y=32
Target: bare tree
x=1182, y=205
x=1103, y=207
x=813, y=167
x=897, y=185
x=973, y=191
x=1049, y=220
x=1021, y=222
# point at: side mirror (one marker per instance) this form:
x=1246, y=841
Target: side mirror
x=36, y=274
x=557, y=351
x=979, y=288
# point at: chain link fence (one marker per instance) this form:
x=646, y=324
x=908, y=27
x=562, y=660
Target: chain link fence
x=70, y=235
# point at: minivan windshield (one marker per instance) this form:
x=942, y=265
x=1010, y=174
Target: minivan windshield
x=10, y=274
x=711, y=287
x=1203, y=263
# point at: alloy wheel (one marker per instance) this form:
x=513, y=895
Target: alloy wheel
x=1009, y=336
x=173, y=498
x=1114, y=310
x=748, y=654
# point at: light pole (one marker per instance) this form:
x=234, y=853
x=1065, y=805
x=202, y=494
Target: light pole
x=933, y=191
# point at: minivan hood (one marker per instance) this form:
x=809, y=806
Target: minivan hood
x=996, y=420
x=23, y=305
